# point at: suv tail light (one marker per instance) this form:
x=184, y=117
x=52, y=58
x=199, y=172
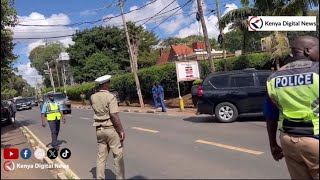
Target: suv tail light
x=200, y=92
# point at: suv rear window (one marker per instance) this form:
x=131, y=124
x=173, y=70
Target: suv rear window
x=242, y=80
x=220, y=81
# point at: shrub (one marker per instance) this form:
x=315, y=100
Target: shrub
x=166, y=76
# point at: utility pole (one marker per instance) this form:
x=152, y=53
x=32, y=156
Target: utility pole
x=51, y=78
x=57, y=63
x=221, y=33
x=132, y=59
x=205, y=34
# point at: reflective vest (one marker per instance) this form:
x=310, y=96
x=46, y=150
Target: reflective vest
x=295, y=91
x=53, y=111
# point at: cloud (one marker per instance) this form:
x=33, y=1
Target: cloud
x=150, y=10
x=42, y=31
x=29, y=74
x=87, y=13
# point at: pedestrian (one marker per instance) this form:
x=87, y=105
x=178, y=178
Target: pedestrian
x=293, y=107
x=13, y=107
x=53, y=111
x=109, y=130
x=83, y=98
x=161, y=97
x=155, y=95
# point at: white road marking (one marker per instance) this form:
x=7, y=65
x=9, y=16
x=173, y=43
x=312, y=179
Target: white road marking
x=230, y=147
x=143, y=129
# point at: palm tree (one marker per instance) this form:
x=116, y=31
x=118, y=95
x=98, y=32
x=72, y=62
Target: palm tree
x=279, y=41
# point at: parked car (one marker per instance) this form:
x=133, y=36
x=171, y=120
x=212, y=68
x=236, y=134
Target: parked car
x=23, y=103
x=61, y=99
x=7, y=113
x=33, y=101
x=228, y=95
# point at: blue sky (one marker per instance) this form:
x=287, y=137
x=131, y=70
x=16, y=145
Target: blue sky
x=40, y=12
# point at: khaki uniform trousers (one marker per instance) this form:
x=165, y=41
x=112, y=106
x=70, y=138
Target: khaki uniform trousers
x=108, y=139
x=301, y=155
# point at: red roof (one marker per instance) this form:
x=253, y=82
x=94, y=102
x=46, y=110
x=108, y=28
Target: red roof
x=163, y=58
x=181, y=49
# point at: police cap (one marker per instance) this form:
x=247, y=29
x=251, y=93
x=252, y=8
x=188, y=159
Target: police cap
x=103, y=79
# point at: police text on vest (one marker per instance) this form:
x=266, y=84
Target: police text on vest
x=294, y=80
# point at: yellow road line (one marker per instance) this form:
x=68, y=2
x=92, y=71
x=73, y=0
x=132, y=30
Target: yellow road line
x=230, y=147
x=143, y=129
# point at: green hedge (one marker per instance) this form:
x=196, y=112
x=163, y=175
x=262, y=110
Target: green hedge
x=166, y=76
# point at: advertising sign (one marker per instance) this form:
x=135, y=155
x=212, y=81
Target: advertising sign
x=187, y=71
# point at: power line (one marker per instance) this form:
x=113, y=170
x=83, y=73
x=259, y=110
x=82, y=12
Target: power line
x=159, y=12
x=53, y=37
x=171, y=14
x=89, y=22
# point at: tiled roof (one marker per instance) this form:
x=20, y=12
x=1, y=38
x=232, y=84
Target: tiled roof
x=163, y=58
x=181, y=49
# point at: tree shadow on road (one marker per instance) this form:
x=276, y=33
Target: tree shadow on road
x=110, y=175
x=212, y=119
x=203, y=119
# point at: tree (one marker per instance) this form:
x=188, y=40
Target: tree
x=109, y=40
x=98, y=65
x=239, y=18
x=40, y=55
x=16, y=86
x=8, y=19
x=141, y=41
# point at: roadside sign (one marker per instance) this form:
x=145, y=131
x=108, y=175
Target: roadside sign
x=187, y=71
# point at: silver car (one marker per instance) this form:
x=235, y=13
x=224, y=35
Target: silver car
x=61, y=99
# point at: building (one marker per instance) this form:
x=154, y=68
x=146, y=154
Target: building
x=185, y=53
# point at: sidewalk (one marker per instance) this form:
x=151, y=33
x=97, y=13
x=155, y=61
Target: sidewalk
x=148, y=109
x=12, y=137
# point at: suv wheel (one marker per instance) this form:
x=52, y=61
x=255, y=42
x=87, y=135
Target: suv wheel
x=226, y=112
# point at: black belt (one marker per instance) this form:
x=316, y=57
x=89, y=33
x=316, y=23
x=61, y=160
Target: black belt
x=105, y=127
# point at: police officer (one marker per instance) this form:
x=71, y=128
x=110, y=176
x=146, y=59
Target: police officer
x=155, y=95
x=293, y=107
x=53, y=111
x=161, y=97
x=109, y=130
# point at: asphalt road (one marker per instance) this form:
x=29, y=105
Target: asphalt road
x=161, y=146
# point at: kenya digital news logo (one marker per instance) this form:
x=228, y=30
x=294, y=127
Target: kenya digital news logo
x=8, y=166
x=255, y=23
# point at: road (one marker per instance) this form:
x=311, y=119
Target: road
x=161, y=146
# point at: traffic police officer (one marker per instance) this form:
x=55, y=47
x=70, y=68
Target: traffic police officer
x=53, y=112
x=109, y=130
x=293, y=102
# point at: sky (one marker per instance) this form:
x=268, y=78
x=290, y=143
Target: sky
x=179, y=20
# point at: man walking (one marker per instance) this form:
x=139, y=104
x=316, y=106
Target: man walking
x=161, y=97
x=109, y=130
x=155, y=95
x=293, y=105
x=53, y=111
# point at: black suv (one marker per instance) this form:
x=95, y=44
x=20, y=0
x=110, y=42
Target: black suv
x=230, y=94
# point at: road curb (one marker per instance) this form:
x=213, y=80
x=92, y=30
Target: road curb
x=28, y=133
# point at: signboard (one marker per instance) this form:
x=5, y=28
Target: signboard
x=187, y=71
x=64, y=56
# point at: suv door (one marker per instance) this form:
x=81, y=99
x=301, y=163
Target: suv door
x=261, y=93
x=243, y=92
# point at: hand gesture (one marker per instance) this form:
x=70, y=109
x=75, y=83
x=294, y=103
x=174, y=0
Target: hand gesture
x=43, y=124
x=276, y=152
